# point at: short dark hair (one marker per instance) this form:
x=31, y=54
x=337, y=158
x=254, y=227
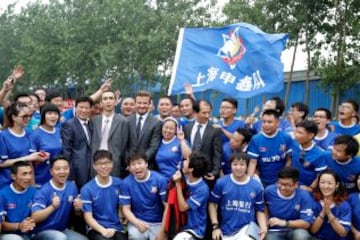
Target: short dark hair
x=136, y=155
x=58, y=158
x=239, y=156
x=196, y=106
x=309, y=126
x=245, y=133
x=20, y=95
x=143, y=93
x=289, y=172
x=17, y=165
x=354, y=104
x=100, y=154
x=279, y=105
x=352, y=146
x=52, y=95
x=49, y=107
x=232, y=101
x=327, y=112
x=35, y=96
x=199, y=163
x=271, y=112
x=188, y=98
x=301, y=107
x=84, y=99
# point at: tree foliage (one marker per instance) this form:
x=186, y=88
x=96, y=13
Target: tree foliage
x=85, y=40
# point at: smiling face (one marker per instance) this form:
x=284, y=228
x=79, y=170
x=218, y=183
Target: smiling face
x=23, y=178
x=60, y=171
x=238, y=169
x=139, y=168
x=142, y=104
x=103, y=167
x=164, y=107
x=22, y=118
x=168, y=130
x=302, y=136
x=286, y=186
x=328, y=185
x=270, y=124
x=51, y=118
x=320, y=119
x=83, y=110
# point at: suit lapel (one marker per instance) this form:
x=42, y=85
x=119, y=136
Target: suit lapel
x=79, y=126
x=114, y=125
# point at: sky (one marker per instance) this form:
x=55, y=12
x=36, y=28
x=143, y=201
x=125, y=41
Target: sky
x=286, y=57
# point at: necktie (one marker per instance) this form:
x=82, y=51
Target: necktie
x=138, y=127
x=197, y=139
x=87, y=131
x=105, y=135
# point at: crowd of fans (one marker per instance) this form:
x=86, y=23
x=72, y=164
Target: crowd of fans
x=110, y=169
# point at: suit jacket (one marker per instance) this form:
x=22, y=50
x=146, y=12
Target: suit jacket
x=211, y=145
x=119, y=141
x=149, y=138
x=77, y=149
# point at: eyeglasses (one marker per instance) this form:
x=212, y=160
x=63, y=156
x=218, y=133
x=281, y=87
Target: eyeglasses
x=107, y=163
x=285, y=185
x=25, y=117
x=346, y=107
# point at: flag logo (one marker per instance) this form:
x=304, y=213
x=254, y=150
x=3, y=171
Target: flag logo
x=233, y=49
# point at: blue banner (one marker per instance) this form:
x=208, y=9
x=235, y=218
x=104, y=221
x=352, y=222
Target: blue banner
x=239, y=60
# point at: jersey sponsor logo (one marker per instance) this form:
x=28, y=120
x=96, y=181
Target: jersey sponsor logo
x=262, y=149
x=11, y=206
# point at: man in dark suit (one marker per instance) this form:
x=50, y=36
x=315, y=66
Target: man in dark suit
x=111, y=132
x=76, y=139
x=205, y=138
x=145, y=128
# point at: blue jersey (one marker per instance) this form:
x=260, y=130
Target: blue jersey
x=348, y=130
x=231, y=128
x=184, y=120
x=103, y=202
x=168, y=157
x=342, y=212
x=347, y=171
x=146, y=197
x=197, y=214
x=11, y=146
x=43, y=140
x=58, y=220
x=16, y=205
x=225, y=160
x=270, y=153
x=310, y=162
x=238, y=202
x=327, y=141
x=354, y=201
x=284, y=125
x=297, y=206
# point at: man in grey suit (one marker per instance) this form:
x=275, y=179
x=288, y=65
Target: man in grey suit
x=205, y=138
x=145, y=128
x=111, y=132
x=76, y=139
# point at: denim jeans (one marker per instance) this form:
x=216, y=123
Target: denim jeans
x=296, y=234
x=67, y=234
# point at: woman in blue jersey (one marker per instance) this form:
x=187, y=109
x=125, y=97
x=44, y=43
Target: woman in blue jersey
x=173, y=148
x=331, y=211
x=354, y=200
x=14, y=141
x=47, y=140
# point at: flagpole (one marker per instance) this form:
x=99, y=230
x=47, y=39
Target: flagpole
x=176, y=60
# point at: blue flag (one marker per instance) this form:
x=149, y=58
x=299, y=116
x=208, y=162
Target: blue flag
x=239, y=60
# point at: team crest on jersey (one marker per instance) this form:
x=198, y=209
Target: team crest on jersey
x=70, y=198
x=282, y=147
x=154, y=189
x=233, y=49
x=175, y=149
x=297, y=207
x=306, y=164
x=117, y=192
x=11, y=206
x=252, y=195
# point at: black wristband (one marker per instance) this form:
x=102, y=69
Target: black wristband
x=215, y=226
